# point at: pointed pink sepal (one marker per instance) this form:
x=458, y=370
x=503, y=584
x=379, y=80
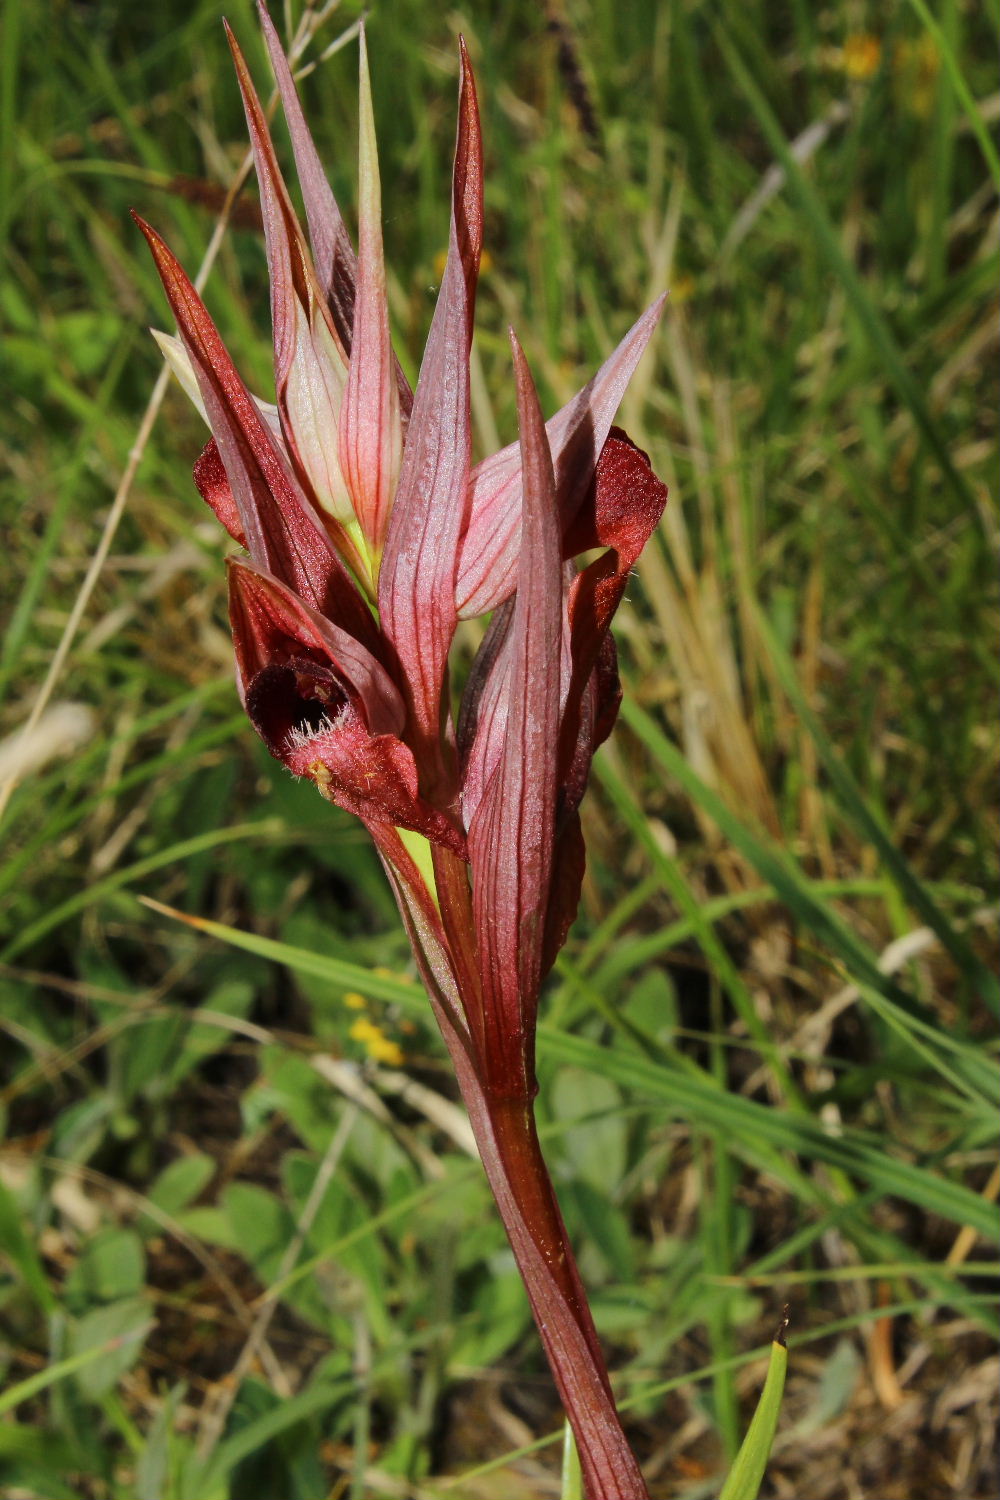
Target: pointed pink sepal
x=336, y=265
x=487, y=571
x=310, y=362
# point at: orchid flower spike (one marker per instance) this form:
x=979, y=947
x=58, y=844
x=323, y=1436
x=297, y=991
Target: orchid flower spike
x=368, y=535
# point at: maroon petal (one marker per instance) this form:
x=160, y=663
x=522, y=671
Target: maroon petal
x=569, y=864
x=272, y=625
x=624, y=505
x=283, y=535
x=214, y=488
x=511, y=835
x=417, y=580
x=488, y=561
x=594, y=718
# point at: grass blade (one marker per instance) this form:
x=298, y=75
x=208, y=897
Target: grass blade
x=744, y=1478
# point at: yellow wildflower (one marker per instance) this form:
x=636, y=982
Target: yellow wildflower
x=375, y=1042
x=861, y=55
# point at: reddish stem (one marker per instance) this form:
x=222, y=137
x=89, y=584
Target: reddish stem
x=508, y=1144
x=519, y=1180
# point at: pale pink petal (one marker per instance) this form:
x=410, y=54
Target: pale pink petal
x=487, y=570
x=310, y=366
x=370, y=431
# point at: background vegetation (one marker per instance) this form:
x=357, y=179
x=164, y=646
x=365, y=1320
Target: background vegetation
x=244, y=1250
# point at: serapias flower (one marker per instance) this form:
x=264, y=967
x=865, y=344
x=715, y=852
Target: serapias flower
x=369, y=535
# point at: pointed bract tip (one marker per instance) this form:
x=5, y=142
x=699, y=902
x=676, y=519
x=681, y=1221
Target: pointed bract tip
x=239, y=61
x=527, y=391
x=267, y=25
x=155, y=241
x=363, y=58
x=166, y=261
x=655, y=309
x=466, y=62
x=523, y=378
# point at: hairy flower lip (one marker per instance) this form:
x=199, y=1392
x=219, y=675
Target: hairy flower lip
x=292, y=701
x=311, y=720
